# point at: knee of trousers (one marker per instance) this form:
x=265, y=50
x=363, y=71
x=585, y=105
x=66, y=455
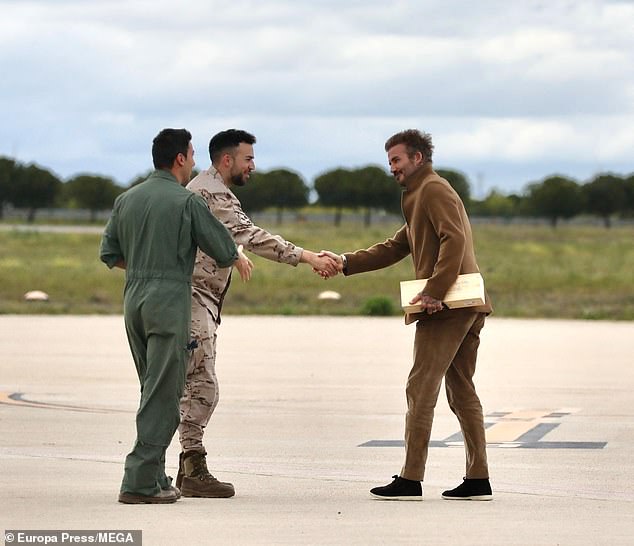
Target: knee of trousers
x=464, y=402
x=156, y=425
x=200, y=393
x=422, y=396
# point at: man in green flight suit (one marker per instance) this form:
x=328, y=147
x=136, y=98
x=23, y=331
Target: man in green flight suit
x=153, y=233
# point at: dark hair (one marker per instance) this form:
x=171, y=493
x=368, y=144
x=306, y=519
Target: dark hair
x=167, y=145
x=415, y=141
x=224, y=140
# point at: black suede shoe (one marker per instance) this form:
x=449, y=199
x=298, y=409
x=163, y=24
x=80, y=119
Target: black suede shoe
x=470, y=489
x=399, y=489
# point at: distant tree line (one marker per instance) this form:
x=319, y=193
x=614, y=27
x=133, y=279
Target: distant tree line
x=369, y=189
x=558, y=197
x=31, y=187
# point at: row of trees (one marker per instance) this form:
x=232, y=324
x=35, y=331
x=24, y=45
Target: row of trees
x=370, y=188
x=559, y=197
x=31, y=187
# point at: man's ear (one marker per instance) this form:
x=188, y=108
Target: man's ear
x=419, y=158
x=180, y=159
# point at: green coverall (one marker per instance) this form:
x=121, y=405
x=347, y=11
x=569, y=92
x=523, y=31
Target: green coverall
x=155, y=229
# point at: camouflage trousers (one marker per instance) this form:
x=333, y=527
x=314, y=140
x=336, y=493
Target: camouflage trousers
x=200, y=396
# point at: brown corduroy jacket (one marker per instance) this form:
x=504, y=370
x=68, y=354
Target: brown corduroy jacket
x=437, y=234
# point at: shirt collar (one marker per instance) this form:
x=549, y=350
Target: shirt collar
x=213, y=172
x=165, y=175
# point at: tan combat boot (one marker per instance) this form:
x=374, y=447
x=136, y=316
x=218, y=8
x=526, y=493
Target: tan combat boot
x=196, y=481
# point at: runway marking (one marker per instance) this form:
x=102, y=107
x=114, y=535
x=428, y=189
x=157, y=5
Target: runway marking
x=507, y=429
x=513, y=425
x=19, y=399
x=511, y=429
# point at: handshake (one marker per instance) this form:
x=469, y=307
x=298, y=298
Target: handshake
x=326, y=264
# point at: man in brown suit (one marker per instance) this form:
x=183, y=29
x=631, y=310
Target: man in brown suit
x=437, y=234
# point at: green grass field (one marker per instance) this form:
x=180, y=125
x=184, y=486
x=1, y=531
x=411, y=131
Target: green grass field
x=583, y=272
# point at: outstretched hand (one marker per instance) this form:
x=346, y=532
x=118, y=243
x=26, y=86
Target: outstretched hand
x=336, y=259
x=323, y=265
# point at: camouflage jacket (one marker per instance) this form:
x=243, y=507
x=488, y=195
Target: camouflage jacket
x=210, y=282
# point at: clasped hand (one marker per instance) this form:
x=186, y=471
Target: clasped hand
x=335, y=264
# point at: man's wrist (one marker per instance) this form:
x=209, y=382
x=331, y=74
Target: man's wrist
x=306, y=257
x=344, y=264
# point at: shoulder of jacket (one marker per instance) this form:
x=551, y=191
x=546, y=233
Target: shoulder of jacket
x=208, y=182
x=433, y=176
x=434, y=182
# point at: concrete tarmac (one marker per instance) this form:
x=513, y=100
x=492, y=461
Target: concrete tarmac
x=310, y=418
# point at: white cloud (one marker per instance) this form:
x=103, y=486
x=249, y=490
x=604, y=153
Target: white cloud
x=322, y=83
x=523, y=46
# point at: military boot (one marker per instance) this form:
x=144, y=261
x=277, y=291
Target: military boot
x=196, y=481
x=179, y=475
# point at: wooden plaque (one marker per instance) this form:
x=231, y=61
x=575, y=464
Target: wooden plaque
x=467, y=291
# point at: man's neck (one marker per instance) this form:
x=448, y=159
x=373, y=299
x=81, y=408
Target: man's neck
x=176, y=173
x=226, y=179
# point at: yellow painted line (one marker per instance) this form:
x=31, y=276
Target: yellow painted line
x=512, y=426
x=5, y=398
x=526, y=415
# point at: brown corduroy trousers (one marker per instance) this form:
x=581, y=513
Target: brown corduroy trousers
x=445, y=348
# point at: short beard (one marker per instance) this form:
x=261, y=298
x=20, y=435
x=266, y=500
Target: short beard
x=238, y=180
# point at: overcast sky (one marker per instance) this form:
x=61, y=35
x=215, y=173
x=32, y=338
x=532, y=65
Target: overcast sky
x=510, y=91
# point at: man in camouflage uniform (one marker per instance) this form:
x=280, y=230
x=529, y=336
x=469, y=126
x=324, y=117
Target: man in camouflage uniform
x=153, y=233
x=232, y=159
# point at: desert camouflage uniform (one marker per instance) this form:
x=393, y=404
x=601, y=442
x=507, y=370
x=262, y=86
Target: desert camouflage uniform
x=209, y=286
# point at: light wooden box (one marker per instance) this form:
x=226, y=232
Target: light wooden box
x=467, y=291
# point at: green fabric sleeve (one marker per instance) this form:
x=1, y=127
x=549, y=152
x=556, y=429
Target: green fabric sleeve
x=210, y=235
x=110, y=250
